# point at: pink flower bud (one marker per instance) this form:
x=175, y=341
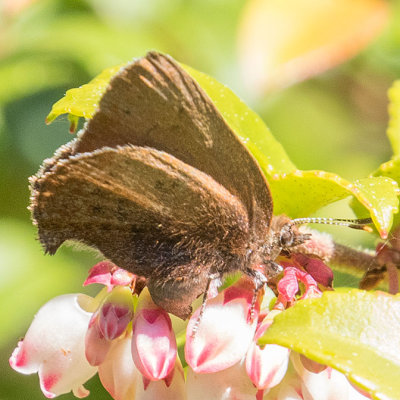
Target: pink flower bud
x=96, y=346
x=121, y=277
x=311, y=365
x=108, y=274
x=154, y=348
x=108, y=323
x=316, y=268
x=116, y=313
x=311, y=287
x=288, y=285
x=123, y=381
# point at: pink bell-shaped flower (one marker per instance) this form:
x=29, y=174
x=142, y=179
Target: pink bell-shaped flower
x=288, y=389
x=118, y=373
x=328, y=384
x=123, y=381
x=154, y=348
x=171, y=388
x=54, y=346
x=266, y=366
x=230, y=383
x=225, y=331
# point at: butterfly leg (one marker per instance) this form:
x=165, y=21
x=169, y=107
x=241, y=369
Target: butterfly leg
x=203, y=304
x=259, y=280
x=271, y=270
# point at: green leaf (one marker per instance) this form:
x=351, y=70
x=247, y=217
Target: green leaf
x=355, y=332
x=311, y=190
x=393, y=130
x=83, y=101
x=389, y=169
x=380, y=196
x=303, y=192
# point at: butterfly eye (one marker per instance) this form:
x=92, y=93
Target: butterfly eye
x=286, y=236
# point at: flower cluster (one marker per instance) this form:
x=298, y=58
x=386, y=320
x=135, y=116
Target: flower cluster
x=132, y=344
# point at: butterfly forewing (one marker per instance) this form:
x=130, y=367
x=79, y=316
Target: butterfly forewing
x=154, y=102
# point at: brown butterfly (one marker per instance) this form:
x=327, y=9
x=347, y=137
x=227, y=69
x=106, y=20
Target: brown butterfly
x=161, y=185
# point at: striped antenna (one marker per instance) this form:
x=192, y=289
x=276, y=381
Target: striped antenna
x=350, y=223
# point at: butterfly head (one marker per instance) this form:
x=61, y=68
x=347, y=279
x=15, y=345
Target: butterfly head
x=284, y=235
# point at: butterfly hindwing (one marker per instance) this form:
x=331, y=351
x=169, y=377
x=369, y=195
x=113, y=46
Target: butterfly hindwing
x=145, y=210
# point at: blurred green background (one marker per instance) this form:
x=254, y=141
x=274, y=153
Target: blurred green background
x=335, y=121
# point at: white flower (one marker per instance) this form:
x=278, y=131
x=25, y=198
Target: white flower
x=54, y=346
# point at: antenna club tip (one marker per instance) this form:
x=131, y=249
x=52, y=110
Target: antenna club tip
x=383, y=234
x=368, y=229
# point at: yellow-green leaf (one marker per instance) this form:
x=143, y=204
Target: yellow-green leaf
x=380, y=196
x=83, y=101
x=355, y=332
x=312, y=190
x=390, y=169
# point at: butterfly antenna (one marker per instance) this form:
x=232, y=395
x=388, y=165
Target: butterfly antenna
x=350, y=223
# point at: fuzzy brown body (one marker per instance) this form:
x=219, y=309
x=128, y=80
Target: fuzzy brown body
x=159, y=183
